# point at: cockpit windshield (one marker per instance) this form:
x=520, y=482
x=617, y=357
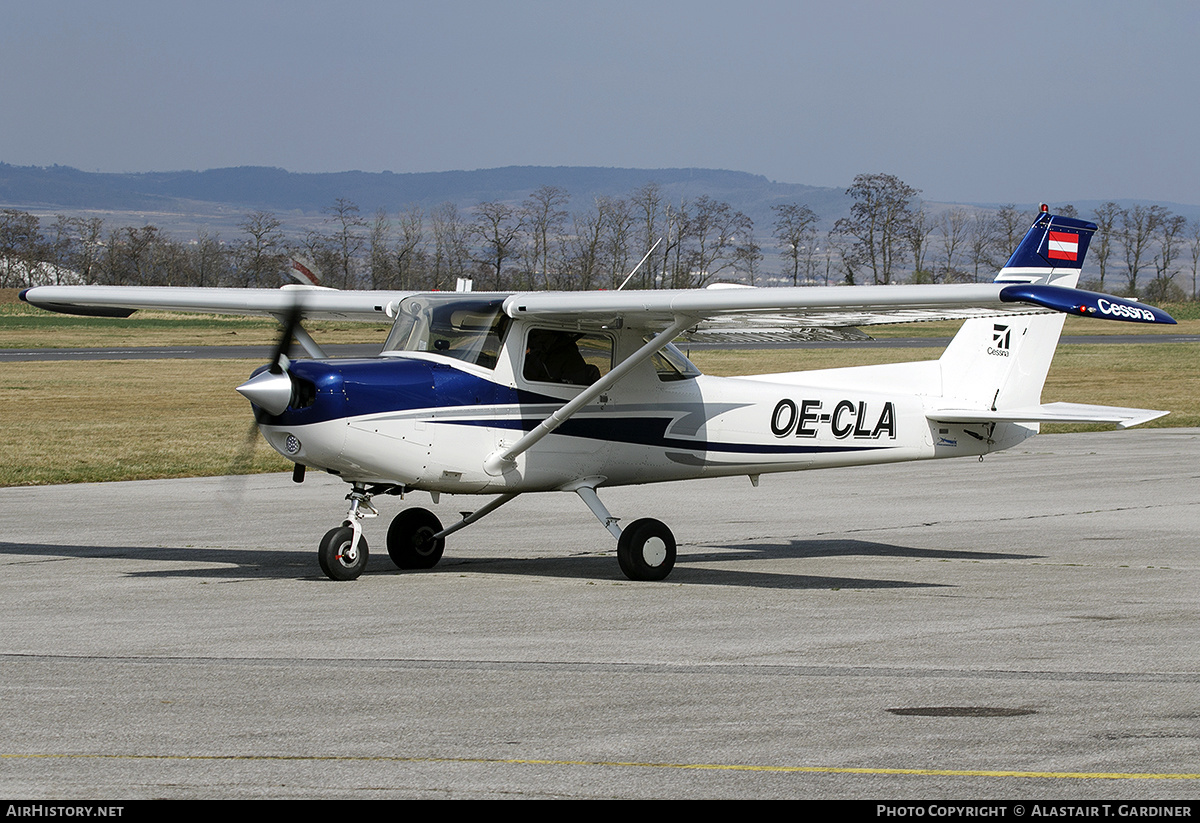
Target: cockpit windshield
x=465, y=328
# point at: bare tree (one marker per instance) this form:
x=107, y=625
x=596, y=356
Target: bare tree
x=345, y=242
x=1139, y=225
x=675, y=273
x=618, y=228
x=847, y=251
x=747, y=257
x=409, y=249
x=982, y=241
x=952, y=226
x=209, y=260
x=497, y=227
x=382, y=265
x=917, y=232
x=90, y=247
x=647, y=202
x=1106, y=220
x=261, y=256
x=713, y=231
x=321, y=250
x=451, y=254
x=20, y=239
x=584, y=247
x=877, y=225
x=60, y=249
x=796, y=231
x=1170, y=237
x=1010, y=228
x=544, y=216
x=136, y=253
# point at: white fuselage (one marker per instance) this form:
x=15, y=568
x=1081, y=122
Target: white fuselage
x=644, y=429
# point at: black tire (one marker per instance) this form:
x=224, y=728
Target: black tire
x=408, y=539
x=330, y=554
x=646, y=550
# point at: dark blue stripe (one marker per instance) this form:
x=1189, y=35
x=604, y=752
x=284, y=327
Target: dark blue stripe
x=350, y=388
x=650, y=431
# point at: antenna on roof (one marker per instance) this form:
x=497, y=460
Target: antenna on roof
x=639, y=265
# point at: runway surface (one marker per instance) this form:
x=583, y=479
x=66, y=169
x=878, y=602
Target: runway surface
x=1024, y=627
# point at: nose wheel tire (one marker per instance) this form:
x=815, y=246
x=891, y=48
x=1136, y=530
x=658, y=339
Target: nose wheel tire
x=646, y=550
x=335, y=556
x=410, y=541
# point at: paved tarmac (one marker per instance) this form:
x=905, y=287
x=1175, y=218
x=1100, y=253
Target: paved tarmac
x=1025, y=627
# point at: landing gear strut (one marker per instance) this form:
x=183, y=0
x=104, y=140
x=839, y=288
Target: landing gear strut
x=645, y=550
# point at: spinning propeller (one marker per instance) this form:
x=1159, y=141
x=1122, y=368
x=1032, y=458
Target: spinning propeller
x=271, y=390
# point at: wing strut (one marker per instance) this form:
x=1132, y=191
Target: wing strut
x=306, y=341
x=503, y=459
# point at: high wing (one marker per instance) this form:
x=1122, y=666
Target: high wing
x=790, y=308
x=783, y=311
x=122, y=301
x=771, y=311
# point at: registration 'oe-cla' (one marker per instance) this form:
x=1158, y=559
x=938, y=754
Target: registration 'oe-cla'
x=503, y=394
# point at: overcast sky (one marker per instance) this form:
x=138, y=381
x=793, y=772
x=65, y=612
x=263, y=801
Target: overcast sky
x=981, y=102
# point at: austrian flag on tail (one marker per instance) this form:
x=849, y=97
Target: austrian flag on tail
x=1062, y=245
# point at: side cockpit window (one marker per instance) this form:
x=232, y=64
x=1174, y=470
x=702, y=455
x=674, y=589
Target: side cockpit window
x=571, y=358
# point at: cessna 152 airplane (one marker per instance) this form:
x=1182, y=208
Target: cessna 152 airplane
x=504, y=394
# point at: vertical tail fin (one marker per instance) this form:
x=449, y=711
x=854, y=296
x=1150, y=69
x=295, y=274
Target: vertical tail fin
x=997, y=363
x=1051, y=252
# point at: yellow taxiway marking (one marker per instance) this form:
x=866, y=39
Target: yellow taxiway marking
x=731, y=767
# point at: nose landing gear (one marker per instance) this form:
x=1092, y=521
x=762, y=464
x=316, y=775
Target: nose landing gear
x=343, y=550
x=342, y=554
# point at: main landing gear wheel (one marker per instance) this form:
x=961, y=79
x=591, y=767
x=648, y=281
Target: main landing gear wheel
x=334, y=554
x=410, y=541
x=646, y=550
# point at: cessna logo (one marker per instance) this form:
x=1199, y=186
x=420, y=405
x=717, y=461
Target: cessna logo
x=1120, y=310
x=1001, y=340
x=848, y=419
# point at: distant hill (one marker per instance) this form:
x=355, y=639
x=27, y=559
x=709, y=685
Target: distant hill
x=249, y=188
x=183, y=202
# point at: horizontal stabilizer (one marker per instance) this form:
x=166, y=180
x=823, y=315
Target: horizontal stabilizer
x=1049, y=413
